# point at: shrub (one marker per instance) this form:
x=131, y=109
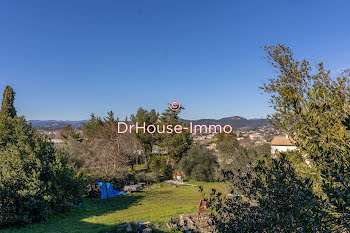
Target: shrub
x=160, y=167
x=146, y=177
x=275, y=199
x=199, y=164
x=35, y=180
x=118, y=177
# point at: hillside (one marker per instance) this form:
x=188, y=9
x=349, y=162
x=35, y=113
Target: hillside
x=235, y=121
x=56, y=125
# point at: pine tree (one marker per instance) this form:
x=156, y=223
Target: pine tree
x=146, y=140
x=176, y=144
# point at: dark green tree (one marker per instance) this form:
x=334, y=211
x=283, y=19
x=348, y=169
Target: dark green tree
x=93, y=127
x=68, y=132
x=236, y=158
x=175, y=144
x=7, y=106
x=146, y=140
x=36, y=180
x=313, y=108
x=270, y=198
x=233, y=156
x=199, y=164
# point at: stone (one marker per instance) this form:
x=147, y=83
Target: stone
x=132, y=188
x=125, y=227
x=198, y=222
x=147, y=230
x=177, y=182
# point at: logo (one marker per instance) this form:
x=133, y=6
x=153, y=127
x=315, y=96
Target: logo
x=174, y=105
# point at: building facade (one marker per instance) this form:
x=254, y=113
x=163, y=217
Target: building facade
x=282, y=144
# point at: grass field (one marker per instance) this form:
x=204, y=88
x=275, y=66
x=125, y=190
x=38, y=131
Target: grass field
x=157, y=204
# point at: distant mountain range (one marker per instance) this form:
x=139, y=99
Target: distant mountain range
x=56, y=125
x=236, y=122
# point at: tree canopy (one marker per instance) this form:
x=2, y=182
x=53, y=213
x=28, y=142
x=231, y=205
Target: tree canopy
x=36, y=180
x=7, y=106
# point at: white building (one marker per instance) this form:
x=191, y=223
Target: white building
x=282, y=144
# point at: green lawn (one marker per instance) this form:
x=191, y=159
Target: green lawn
x=156, y=204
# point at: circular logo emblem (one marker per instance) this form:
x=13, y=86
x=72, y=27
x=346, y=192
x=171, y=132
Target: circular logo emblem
x=174, y=105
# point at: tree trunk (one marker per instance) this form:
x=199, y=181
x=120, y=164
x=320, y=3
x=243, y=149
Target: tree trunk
x=168, y=160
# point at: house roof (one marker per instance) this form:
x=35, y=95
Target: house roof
x=282, y=141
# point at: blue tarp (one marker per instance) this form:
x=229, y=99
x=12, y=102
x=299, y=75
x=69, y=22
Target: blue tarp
x=111, y=192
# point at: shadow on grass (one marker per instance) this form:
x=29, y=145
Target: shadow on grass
x=74, y=220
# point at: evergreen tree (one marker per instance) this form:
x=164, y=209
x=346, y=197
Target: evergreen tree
x=67, y=131
x=7, y=107
x=176, y=144
x=200, y=164
x=146, y=140
x=35, y=179
x=93, y=127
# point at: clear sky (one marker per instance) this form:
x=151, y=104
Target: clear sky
x=66, y=59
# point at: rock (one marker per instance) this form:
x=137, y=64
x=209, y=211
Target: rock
x=132, y=188
x=177, y=182
x=199, y=222
x=128, y=229
x=125, y=227
x=147, y=230
x=172, y=223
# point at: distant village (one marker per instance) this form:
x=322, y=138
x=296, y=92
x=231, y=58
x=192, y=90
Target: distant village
x=247, y=137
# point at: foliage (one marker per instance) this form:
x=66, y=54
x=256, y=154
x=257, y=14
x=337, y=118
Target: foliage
x=92, y=128
x=279, y=195
x=274, y=199
x=7, y=106
x=236, y=158
x=160, y=167
x=147, y=177
x=106, y=153
x=68, y=132
x=224, y=137
x=233, y=156
x=158, y=204
x=313, y=108
x=146, y=140
x=35, y=179
x=176, y=144
x=199, y=164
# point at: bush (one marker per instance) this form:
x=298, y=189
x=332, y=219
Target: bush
x=35, y=179
x=275, y=199
x=160, y=167
x=147, y=177
x=199, y=164
x=119, y=177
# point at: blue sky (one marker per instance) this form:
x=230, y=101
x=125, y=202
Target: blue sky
x=66, y=59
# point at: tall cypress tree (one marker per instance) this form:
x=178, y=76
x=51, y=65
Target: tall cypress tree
x=7, y=106
x=34, y=176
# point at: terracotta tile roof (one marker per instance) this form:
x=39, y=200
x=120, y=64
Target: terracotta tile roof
x=282, y=141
